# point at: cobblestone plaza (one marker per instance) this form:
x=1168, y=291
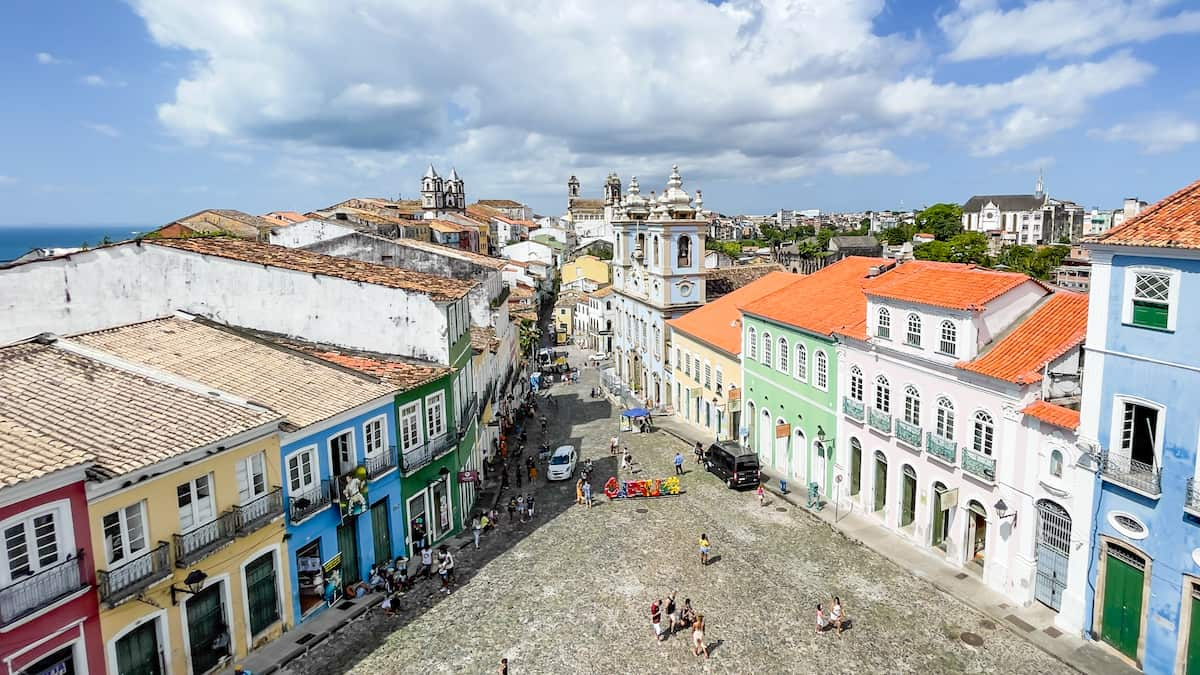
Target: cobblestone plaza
x=570, y=592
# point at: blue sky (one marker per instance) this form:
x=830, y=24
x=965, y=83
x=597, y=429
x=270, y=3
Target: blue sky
x=137, y=113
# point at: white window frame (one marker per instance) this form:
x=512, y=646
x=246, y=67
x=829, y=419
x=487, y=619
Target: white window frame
x=352, y=460
x=856, y=378
x=752, y=341
x=1172, y=294
x=380, y=446
x=952, y=342
x=987, y=441
x=913, y=338
x=708, y=375
x=883, y=323
x=438, y=423
x=821, y=377
x=783, y=346
x=64, y=537
x=413, y=408
x=883, y=394
x=1118, y=424
x=767, y=349
x=198, y=518
x=244, y=472
x=720, y=380
x=123, y=525
x=801, y=362
x=938, y=427
x=912, y=395
x=311, y=451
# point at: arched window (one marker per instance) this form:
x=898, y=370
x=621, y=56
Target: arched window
x=912, y=406
x=767, y=359
x=856, y=383
x=783, y=355
x=654, y=250
x=883, y=394
x=685, y=251
x=985, y=431
x=822, y=371
x=1056, y=463
x=801, y=363
x=883, y=324
x=752, y=342
x=949, y=342
x=913, y=336
x=945, y=418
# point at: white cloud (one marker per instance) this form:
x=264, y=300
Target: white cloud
x=1159, y=133
x=981, y=29
x=103, y=129
x=95, y=80
x=527, y=93
x=47, y=59
x=7, y=180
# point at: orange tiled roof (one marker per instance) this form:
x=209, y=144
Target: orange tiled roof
x=439, y=288
x=1054, y=328
x=447, y=226
x=496, y=203
x=1173, y=222
x=716, y=323
x=601, y=292
x=952, y=285
x=287, y=217
x=823, y=302
x=394, y=370
x=1053, y=414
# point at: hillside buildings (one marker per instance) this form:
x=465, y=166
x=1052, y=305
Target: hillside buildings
x=1027, y=220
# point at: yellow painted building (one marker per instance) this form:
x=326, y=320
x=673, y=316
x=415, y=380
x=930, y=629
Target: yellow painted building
x=585, y=273
x=564, y=317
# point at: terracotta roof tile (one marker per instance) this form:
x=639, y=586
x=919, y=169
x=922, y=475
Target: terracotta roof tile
x=447, y=226
x=601, y=292
x=127, y=421
x=1173, y=222
x=716, y=323
x=399, y=371
x=826, y=301
x=951, y=285
x=26, y=454
x=484, y=339
x=462, y=254
x=439, y=288
x=497, y=203
x=303, y=389
x=1055, y=327
x=1056, y=415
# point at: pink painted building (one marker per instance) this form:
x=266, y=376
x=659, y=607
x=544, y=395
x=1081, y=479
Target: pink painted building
x=49, y=623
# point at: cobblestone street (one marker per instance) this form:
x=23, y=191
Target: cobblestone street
x=570, y=592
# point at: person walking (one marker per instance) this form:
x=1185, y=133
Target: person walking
x=699, y=452
x=704, y=548
x=698, y=644
x=837, y=615
x=512, y=508
x=587, y=494
x=476, y=529
x=521, y=507
x=656, y=619
x=529, y=505
x=672, y=615
x=613, y=445
x=678, y=463
x=822, y=622
x=426, y=561
x=579, y=491
x=761, y=495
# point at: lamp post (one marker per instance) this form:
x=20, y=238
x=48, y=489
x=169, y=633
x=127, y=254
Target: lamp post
x=194, y=582
x=1002, y=511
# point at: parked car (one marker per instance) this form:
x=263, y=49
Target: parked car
x=733, y=464
x=598, y=357
x=562, y=463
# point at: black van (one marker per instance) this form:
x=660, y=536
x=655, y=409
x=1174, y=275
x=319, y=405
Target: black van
x=732, y=463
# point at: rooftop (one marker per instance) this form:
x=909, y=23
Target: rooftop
x=1056, y=326
x=439, y=288
x=717, y=323
x=462, y=254
x=842, y=305
x=26, y=454
x=500, y=203
x=304, y=389
x=1173, y=222
x=1056, y=415
x=950, y=285
x=127, y=421
x=484, y=339
x=723, y=280
x=227, y=220
x=1005, y=202
x=285, y=217
x=447, y=226
x=398, y=371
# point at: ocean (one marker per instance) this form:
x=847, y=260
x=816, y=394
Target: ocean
x=17, y=240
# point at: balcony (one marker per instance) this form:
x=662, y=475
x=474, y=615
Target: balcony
x=1191, y=499
x=853, y=408
x=30, y=593
x=941, y=448
x=979, y=464
x=1137, y=476
x=909, y=434
x=257, y=512
x=306, y=503
x=422, y=455
x=381, y=463
x=199, y=542
x=135, y=576
x=881, y=422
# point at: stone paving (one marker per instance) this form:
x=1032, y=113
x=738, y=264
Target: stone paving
x=570, y=592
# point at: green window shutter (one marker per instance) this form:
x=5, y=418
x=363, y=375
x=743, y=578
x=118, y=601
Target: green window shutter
x=1150, y=314
x=261, y=594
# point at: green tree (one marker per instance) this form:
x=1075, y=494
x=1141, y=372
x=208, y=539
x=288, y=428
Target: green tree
x=530, y=334
x=943, y=221
x=938, y=251
x=808, y=249
x=823, y=237
x=1015, y=257
x=896, y=235
x=970, y=247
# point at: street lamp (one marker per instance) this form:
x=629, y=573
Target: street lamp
x=1002, y=511
x=194, y=582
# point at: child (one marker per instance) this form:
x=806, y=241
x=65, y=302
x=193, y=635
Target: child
x=761, y=495
x=822, y=622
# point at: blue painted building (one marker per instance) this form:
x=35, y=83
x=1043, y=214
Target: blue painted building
x=1139, y=413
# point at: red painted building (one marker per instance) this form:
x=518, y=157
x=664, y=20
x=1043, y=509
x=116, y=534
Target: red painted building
x=49, y=621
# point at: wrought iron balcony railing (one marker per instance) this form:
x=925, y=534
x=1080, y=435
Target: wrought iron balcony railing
x=381, y=463
x=941, y=448
x=853, y=408
x=420, y=456
x=204, y=539
x=1140, y=476
x=138, y=574
x=257, y=512
x=908, y=433
x=306, y=503
x=979, y=464
x=1191, y=499
x=32, y=592
x=879, y=421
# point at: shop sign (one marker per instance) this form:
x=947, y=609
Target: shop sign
x=468, y=476
x=331, y=570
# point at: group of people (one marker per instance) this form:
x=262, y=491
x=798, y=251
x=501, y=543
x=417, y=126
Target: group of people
x=394, y=580
x=520, y=506
x=678, y=617
x=835, y=619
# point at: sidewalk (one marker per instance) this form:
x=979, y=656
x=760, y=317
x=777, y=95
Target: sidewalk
x=1035, y=623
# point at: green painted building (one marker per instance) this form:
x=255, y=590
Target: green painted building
x=790, y=372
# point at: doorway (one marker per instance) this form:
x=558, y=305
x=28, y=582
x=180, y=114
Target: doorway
x=765, y=435
x=781, y=448
x=381, y=531
x=1053, y=553
x=908, y=497
x=855, y=467
x=138, y=651
x=940, y=531
x=1124, y=585
x=880, y=482
x=208, y=634
x=418, y=527
x=977, y=535
x=347, y=538
x=799, y=453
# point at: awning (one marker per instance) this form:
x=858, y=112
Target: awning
x=636, y=412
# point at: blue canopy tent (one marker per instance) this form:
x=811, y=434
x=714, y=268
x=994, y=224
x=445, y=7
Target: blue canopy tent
x=635, y=420
x=636, y=412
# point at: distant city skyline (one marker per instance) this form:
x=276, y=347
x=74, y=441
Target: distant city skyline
x=143, y=112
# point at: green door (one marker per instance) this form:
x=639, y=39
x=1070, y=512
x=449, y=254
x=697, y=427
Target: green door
x=880, y=481
x=347, y=537
x=1193, y=648
x=855, y=467
x=137, y=651
x=908, y=497
x=1121, y=622
x=939, y=518
x=261, y=594
x=208, y=635
x=381, y=532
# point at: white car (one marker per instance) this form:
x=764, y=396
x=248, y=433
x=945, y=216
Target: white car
x=598, y=356
x=562, y=463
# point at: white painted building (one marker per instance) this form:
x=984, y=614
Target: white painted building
x=306, y=232
x=530, y=252
x=953, y=430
